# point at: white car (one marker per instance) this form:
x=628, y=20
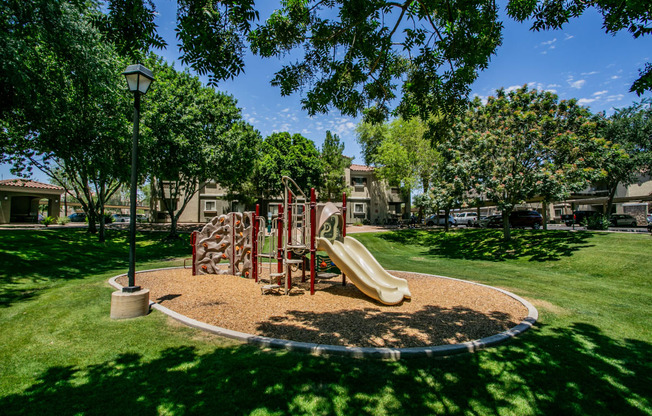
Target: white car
x=466, y=218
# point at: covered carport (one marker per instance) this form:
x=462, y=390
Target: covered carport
x=20, y=200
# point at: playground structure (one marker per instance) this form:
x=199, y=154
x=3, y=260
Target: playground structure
x=300, y=228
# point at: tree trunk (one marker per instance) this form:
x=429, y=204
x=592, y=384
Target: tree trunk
x=173, y=227
x=92, y=218
x=447, y=212
x=544, y=210
x=610, y=200
x=101, y=236
x=506, y=229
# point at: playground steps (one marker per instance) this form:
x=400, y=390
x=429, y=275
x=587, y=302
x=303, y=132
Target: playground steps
x=270, y=288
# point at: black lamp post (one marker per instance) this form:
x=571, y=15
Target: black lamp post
x=139, y=79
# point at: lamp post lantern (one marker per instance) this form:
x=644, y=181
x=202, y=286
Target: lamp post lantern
x=139, y=79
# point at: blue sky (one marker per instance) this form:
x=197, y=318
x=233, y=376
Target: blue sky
x=580, y=61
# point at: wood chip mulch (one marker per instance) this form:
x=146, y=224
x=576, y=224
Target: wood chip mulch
x=441, y=311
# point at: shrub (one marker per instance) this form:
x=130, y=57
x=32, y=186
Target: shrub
x=366, y=222
x=357, y=223
x=63, y=220
x=48, y=220
x=597, y=222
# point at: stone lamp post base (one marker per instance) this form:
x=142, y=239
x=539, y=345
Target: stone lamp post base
x=126, y=305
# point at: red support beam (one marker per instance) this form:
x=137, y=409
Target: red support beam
x=279, y=247
x=193, y=242
x=289, y=240
x=313, y=231
x=254, y=244
x=343, y=229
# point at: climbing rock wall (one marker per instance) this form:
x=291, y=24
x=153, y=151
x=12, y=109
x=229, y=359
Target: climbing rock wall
x=225, y=239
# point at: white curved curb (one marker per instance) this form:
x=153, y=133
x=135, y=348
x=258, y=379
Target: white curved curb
x=358, y=352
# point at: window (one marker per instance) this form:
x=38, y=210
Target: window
x=358, y=181
x=359, y=208
x=210, y=206
x=395, y=191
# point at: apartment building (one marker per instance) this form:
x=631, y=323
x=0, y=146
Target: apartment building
x=369, y=200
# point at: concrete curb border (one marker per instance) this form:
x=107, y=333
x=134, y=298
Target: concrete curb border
x=358, y=352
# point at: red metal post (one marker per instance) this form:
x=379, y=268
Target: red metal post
x=343, y=229
x=289, y=240
x=232, y=266
x=313, y=231
x=254, y=244
x=193, y=242
x=279, y=247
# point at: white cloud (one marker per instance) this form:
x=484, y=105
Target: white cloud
x=553, y=86
x=512, y=88
x=586, y=101
x=615, y=77
x=568, y=36
x=550, y=42
x=595, y=94
x=285, y=110
x=577, y=84
x=616, y=97
x=589, y=73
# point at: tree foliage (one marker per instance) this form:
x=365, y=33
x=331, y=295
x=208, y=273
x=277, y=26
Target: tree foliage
x=524, y=143
x=283, y=154
x=129, y=25
x=630, y=129
x=192, y=134
x=361, y=52
x=403, y=156
x=334, y=164
x=66, y=106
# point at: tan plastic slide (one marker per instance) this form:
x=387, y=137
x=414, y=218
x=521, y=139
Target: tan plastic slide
x=364, y=270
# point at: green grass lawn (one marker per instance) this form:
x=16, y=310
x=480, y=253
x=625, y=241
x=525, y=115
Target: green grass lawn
x=590, y=353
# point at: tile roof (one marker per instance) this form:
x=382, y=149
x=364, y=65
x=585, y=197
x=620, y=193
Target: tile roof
x=26, y=183
x=362, y=168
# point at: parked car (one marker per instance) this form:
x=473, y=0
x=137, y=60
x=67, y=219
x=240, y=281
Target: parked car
x=120, y=218
x=77, y=217
x=490, y=219
x=517, y=219
x=478, y=221
x=578, y=217
x=466, y=218
x=622, y=220
x=649, y=218
x=439, y=220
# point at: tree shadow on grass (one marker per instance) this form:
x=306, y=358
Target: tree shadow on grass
x=488, y=245
x=30, y=259
x=572, y=371
x=431, y=325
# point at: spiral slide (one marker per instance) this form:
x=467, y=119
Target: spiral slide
x=364, y=270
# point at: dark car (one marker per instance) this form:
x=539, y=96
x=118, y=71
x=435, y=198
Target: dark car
x=517, y=219
x=578, y=217
x=77, y=217
x=622, y=220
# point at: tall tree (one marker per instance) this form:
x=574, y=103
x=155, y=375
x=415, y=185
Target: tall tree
x=524, y=143
x=334, y=164
x=403, y=156
x=192, y=134
x=630, y=129
x=283, y=154
x=67, y=108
